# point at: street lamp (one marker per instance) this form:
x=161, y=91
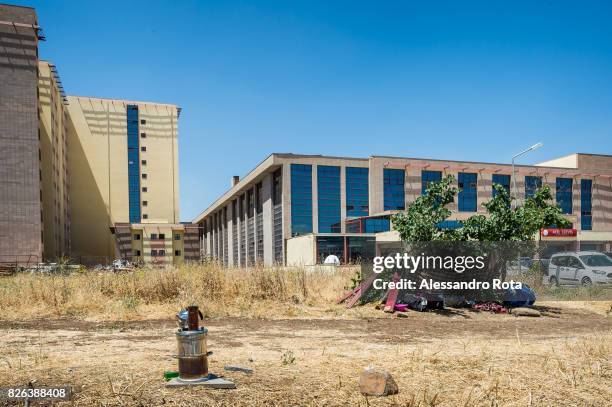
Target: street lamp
x=533, y=147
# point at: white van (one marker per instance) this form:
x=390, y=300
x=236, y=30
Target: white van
x=573, y=268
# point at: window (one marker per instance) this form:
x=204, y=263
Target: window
x=376, y=225
x=177, y=252
x=467, y=192
x=153, y=252
x=145, y=203
x=301, y=199
x=573, y=262
x=328, y=195
x=145, y=216
x=144, y=189
x=394, y=198
x=532, y=184
x=153, y=236
x=586, y=204
x=136, y=236
x=162, y=236
x=449, y=224
x=177, y=236
x=330, y=245
x=144, y=175
x=133, y=169
x=503, y=180
x=427, y=177
x=143, y=162
x=357, y=194
x=559, y=261
x=161, y=252
x=143, y=121
x=136, y=253
x=143, y=149
x=143, y=135
x=564, y=194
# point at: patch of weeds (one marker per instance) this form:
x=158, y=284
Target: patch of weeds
x=288, y=358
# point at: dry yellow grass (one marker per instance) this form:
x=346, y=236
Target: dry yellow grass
x=451, y=358
x=159, y=293
x=517, y=366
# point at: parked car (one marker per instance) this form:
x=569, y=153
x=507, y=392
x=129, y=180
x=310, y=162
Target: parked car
x=584, y=267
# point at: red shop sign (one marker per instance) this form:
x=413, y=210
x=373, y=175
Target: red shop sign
x=558, y=232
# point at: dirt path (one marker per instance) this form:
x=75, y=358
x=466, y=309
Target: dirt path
x=457, y=357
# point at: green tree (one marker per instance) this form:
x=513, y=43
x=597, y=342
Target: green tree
x=502, y=222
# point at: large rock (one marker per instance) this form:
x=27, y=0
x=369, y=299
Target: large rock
x=525, y=312
x=377, y=383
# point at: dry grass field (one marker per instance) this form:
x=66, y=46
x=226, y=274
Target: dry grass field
x=112, y=336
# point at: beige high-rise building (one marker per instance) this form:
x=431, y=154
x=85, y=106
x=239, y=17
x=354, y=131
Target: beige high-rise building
x=53, y=162
x=123, y=166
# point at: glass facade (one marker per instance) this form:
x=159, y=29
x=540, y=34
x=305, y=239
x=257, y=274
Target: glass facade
x=564, y=194
x=532, y=184
x=328, y=196
x=301, y=199
x=586, y=204
x=394, y=197
x=467, y=195
x=503, y=180
x=368, y=225
x=357, y=198
x=428, y=177
x=328, y=245
x=347, y=248
x=133, y=164
x=449, y=224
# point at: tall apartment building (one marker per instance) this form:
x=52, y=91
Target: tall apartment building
x=21, y=223
x=343, y=203
x=54, y=162
x=123, y=166
x=73, y=167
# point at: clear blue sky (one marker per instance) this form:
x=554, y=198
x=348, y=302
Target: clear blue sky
x=456, y=80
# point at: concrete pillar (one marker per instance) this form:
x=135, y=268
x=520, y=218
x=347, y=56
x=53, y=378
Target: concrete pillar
x=413, y=185
x=376, y=186
x=268, y=219
x=342, y=199
x=315, y=200
x=484, y=189
x=576, y=210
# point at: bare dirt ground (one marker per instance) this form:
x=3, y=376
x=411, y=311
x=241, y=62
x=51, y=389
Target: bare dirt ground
x=452, y=358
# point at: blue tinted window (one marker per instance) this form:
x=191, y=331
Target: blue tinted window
x=531, y=185
x=449, y=224
x=394, y=189
x=428, y=177
x=328, y=198
x=467, y=194
x=564, y=194
x=376, y=225
x=357, y=197
x=503, y=180
x=301, y=199
x=586, y=205
x=133, y=164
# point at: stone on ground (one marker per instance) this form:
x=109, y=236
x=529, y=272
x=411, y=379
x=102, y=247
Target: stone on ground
x=377, y=383
x=525, y=312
